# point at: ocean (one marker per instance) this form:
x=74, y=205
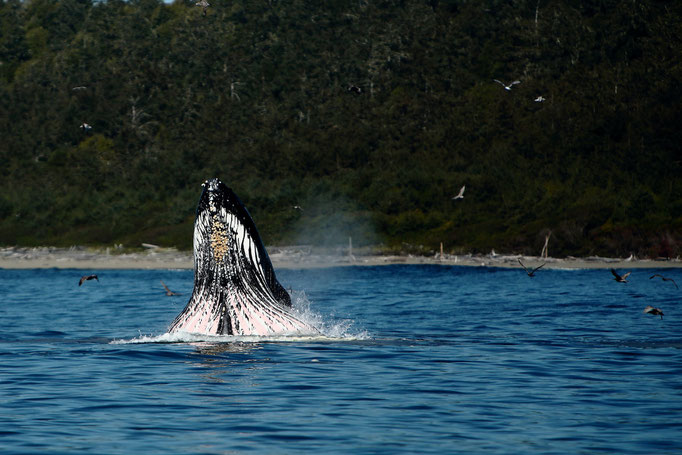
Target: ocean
x=413, y=359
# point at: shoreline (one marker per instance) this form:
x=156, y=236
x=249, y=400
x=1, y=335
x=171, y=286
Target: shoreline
x=292, y=258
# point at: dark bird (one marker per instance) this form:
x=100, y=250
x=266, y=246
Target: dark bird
x=655, y=311
x=460, y=195
x=354, y=89
x=168, y=291
x=509, y=86
x=664, y=279
x=619, y=278
x=86, y=278
x=529, y=272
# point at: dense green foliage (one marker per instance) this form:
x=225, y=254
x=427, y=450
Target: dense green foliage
x=259, y=94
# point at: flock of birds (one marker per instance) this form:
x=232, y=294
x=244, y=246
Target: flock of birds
x=649, y=309
x=617, y=277
x=529, y=271
x=352, y=88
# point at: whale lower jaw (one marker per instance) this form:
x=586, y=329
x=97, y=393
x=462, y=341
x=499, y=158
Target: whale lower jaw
x=229, y=312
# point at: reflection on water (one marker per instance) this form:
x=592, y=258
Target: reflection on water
x=214, y=349
x=218, y=361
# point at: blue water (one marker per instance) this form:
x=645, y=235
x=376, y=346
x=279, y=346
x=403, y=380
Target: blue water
x=415, y=359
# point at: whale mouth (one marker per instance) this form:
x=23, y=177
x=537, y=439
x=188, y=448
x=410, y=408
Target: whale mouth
x=235, y=290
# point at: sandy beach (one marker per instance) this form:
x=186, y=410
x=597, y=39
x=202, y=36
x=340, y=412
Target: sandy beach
x=292, y=257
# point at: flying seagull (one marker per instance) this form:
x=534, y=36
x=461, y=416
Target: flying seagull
x=85, y=127
x=460, y=195
x=655, y=311
x=86, y=278
x=168, y=291
x=80, y=87
x=664, y=279
x=539, y=99
x=297, y=207
x=529, y=272
x=619, y=278
x=354, y=89
x=507, y=87
x=204, y=4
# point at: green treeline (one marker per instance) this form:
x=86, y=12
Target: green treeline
x=368, y=114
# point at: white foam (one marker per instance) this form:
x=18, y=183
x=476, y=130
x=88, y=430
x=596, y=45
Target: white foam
x=334, y=331
x=185, y=337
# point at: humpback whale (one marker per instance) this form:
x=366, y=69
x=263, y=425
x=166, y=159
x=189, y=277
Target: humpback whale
x=235, y=290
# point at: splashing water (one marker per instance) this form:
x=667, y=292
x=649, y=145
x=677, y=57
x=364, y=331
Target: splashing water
x=329, y=331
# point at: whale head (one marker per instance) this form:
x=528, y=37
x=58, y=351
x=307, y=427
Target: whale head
x=235, y=290
x=226, y=239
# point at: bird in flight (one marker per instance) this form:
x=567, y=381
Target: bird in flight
x=619, y=278
x=85, y=127
x=86, y=278
x=507, y=87
x=530, y=272
x=204, y=4
x=539, y=99
x=664, y=279
x=168, y=291
x=460, y=195
x=651, y=310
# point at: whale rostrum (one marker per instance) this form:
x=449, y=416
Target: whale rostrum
x=235, y=290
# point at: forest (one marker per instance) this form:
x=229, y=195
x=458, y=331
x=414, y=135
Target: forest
x=346, y=118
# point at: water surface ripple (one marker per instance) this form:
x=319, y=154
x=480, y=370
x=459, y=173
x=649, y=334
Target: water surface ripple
x=415, y=359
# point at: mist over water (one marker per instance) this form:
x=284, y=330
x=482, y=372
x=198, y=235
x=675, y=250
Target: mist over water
x=330, y=223
x=411, y=359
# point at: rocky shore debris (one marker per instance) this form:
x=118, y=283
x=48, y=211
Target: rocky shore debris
x=296, y=256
